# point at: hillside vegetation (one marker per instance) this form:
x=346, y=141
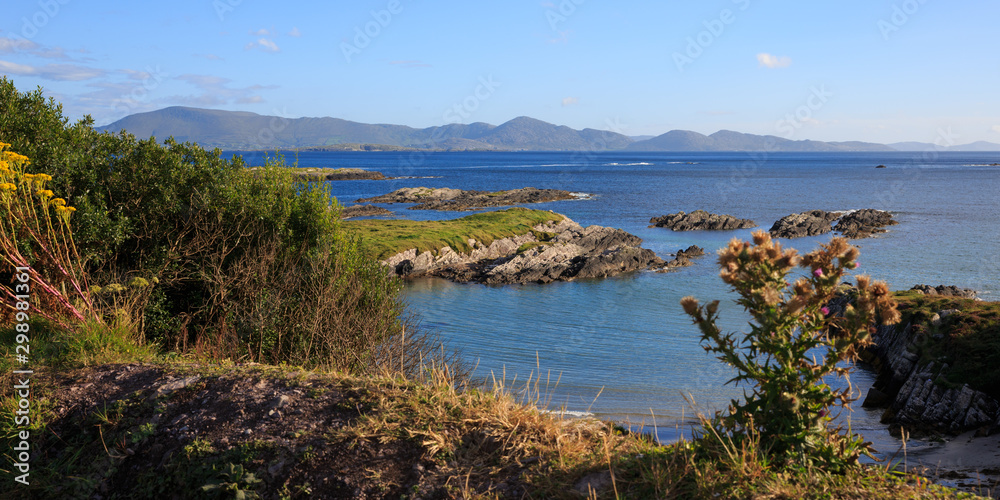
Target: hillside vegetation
x=200, y=331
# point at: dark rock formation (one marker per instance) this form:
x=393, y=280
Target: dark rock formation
x=811, y=223
x=574, y=252
x=333, y=174
x=881, y=166
x=947, y=291
x=914, y=390
x=456, y=199
x=700, y=220
x=864, y=223
x=363, y=211
x=681, y=259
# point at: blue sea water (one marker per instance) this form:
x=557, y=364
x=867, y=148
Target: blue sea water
x=621, y=348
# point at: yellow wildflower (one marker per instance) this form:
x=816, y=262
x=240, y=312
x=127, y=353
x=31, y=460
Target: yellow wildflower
x=58, y=202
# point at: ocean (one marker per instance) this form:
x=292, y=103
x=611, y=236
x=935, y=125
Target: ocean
x=621, y=348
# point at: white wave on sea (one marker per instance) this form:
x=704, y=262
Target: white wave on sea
x=616, y=164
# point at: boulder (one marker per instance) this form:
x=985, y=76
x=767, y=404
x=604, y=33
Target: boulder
x=700, y=220
x=864, y=223
x=811, y=223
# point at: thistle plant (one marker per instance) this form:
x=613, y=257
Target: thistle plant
x=36, y=238
x=793, y=348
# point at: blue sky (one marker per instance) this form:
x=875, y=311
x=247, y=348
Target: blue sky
x=881, y=71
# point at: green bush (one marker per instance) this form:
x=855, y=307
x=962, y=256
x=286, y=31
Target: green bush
x=793, y=346
x=242, y=265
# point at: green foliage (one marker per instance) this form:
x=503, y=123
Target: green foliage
x=793, y=346
x=385, y=238
x=219, y=260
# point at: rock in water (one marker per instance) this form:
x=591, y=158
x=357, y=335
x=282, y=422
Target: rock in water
x=457, y=199
x=811, y=223
x=700, y=220
x=864, y=223
x=573, y=252
x=362, y=211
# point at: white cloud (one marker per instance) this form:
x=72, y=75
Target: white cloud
x=62, y=72
x=265, y=44
x=215, y=91
x=769, y=61
x=260, y=32
x=15, y=44
x=295, y=32
x=996, y=128
x=569, y=101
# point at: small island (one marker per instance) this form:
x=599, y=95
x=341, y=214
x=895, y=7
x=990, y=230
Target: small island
x=314, y=174
x=700, y=220
x=855, y=225
x=512, y=246
x=457, y=199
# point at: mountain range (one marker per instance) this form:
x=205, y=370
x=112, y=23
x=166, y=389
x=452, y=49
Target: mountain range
x=241, y=130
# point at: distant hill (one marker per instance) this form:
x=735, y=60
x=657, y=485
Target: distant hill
x=926, y=146
x=242, y=130
x=727, y=140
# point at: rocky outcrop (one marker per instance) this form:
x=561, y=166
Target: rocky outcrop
x=946, y=291
x=864, y=223
x=812, y=223
x=681, y=259
x=915, y=391
x=856, y=224
x=700, y=220
x=457, y=199
x=362, y=211
x=333, y=174
x=567, y=251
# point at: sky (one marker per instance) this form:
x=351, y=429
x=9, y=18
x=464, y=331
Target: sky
x=877, y=71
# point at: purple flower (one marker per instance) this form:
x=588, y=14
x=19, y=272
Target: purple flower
x=825, y=311
x=818, y=273
x=856, y=265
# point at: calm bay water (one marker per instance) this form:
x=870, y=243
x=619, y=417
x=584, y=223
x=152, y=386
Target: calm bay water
x=621, y=348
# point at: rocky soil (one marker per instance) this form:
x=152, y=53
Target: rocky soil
x=857, y=224
x=554, y=251
x=363, y=211
x=700, y=220
x=157, y=431
x=457, y=199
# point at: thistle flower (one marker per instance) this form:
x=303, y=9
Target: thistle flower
x=690, y=305
x=818, y=272
x=825, y=311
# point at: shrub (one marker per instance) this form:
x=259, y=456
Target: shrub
x=241, y=265
x=793, y=345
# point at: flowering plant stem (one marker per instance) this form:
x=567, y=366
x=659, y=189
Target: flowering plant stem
x=793, y=348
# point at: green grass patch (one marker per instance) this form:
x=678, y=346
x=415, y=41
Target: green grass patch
x=385, y=238
x=968, y=340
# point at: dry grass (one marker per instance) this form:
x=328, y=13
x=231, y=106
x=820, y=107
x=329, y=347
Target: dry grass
x=493, y=443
